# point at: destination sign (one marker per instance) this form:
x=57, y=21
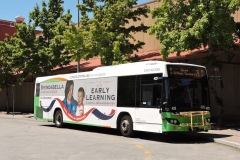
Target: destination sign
x=185, y=71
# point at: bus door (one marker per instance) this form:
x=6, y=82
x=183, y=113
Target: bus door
x=147, y=114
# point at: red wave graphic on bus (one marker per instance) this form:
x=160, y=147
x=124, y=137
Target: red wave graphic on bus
x=71, y=116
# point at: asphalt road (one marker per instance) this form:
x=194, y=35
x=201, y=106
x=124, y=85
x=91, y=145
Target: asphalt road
x=28, y=139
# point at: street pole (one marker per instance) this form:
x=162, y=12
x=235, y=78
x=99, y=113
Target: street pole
x=13, y=97
x=78, y=14
x=78, y=61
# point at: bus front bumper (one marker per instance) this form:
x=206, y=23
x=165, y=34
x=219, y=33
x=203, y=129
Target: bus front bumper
x=186, y=127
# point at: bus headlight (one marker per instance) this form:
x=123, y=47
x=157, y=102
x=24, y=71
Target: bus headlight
x=207, y=108
x=172, y=121
x=207, y=120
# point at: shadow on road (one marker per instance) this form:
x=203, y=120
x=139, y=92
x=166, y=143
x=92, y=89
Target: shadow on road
x=174, y=138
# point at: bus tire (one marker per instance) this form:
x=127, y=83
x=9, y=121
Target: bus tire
x=126, y=126
x=58, y=119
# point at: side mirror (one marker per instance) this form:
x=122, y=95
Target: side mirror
x=164, y=105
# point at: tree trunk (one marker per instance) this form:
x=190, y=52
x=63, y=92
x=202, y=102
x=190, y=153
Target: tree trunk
x=78, y=65
x=7, y=100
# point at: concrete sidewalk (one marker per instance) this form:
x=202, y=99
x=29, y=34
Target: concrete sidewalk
x=227, y=136
x=16, y=115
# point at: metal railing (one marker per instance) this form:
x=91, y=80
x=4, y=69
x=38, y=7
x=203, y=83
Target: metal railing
x=197, y=119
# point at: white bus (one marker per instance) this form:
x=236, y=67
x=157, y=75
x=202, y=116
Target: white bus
x=151, y=96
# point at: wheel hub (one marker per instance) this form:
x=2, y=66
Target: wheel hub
x=58, y=119
x=125, y=125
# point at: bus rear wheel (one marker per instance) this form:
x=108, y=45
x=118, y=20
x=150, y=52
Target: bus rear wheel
x=126, y=126
x=58, y=119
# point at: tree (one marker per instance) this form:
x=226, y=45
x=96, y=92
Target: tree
x=109, y=35
x=187, y=25
x=38, y=55
x=75, y=40
x=7, y=69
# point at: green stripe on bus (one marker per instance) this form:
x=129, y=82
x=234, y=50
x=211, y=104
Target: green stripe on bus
x=48, y=81
x=85, y=124
x=72, y=122
x=57, y=79
x=38, y=111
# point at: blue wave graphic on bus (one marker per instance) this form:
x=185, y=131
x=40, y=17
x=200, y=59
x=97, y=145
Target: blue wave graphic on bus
x=102, y=116
x=48, y=108
x=94, y=111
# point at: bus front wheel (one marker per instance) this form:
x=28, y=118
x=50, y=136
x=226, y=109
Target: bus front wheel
x=126, y=126
x=58, y=119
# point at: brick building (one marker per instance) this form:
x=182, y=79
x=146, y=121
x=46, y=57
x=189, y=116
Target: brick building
x=6, y=27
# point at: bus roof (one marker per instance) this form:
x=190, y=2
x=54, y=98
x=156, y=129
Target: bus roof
x=138, y=64
x=136, y=68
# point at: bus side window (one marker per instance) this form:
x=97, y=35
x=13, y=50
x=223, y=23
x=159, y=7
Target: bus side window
x=147, y=96
x=126, y=91
x=151, y=89
x=37, y=90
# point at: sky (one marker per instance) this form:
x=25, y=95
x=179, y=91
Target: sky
x=9, y=9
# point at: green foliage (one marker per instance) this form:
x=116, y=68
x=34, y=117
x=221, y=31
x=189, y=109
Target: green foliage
x=38, y=55
x=108, y=32
x=27, y=54
x=6, y=62
x=7, y=68
x=187, y=25
x=77, y=42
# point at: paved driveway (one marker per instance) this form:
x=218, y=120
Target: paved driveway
x=28, y=139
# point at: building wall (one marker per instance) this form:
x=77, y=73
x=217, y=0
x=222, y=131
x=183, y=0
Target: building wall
x=229, y=111
x=237, y=16
x=230, y=74
x=23, y=98
x=151, y=43
x=6, y=27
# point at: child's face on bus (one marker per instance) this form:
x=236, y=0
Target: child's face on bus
x=80, y=97
x=70, y=93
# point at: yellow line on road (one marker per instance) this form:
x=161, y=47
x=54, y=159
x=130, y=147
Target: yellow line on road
x=148, y=158
x=147, y=152
x=140, y=146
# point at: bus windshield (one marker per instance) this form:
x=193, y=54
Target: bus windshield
x=188, y=89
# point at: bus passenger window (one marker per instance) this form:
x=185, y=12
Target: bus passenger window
x=147, y=96
x=126, y=91
x=151, y=89
x=37, y=93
